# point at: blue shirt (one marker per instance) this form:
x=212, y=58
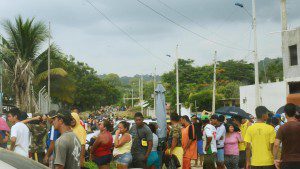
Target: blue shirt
x=53, y=135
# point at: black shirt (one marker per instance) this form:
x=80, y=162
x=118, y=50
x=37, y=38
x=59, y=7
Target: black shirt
x=198, y=131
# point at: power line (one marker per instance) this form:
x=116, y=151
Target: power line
x=124, y=32
x=194, y=22
x=186, y=29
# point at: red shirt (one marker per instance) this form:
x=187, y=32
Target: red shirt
x=105, y=149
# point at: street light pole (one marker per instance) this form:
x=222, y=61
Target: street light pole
x=177, y=82
x=256, y=73
x=257, y=96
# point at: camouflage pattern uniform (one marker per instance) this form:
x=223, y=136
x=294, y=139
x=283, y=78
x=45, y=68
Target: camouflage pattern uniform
x=38, y=133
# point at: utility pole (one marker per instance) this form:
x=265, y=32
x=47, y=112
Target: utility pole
x=283, y=15
x=177, y=82
x=214, y=84
x=257, y=95
x=154, y=85
x=196, y=108
x=49, y=93
x=132, y=98
x=142, y=95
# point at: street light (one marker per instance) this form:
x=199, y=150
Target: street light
x=177, y=81
x=257, y=97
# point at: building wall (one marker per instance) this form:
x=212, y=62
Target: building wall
x=290, y=38
x=273, y=96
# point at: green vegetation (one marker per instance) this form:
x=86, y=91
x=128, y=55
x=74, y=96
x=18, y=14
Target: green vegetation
x=196, y=81
x=25, y=70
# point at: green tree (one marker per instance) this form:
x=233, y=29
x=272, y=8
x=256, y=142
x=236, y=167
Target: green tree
x=91, y=92
x=204, y=100
x=230, y=90
x=270, y=70
x=113, y=79
x=21, y=55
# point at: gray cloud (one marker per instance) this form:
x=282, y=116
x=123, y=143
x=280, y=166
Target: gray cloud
x=79, y=30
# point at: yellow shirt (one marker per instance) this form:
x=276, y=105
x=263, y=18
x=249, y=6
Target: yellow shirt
x=126, y=148
x=243, y=128
x=261, y=136
x=78, y=129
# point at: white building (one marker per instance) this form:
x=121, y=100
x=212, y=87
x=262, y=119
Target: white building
x=291, y=64
x=275, y=95
x=272, y=95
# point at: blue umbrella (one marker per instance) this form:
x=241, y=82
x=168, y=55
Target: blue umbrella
x=281, y=109
x=161, y=112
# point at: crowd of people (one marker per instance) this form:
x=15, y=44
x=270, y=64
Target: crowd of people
x=210, y=141
x=233, y=143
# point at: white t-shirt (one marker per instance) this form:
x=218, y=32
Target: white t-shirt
x=155, y=142
x=221, y=133
x=210, y=131
x=21, y=132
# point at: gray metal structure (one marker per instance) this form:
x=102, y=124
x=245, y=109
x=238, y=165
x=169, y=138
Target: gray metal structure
x=43, y=102
x=161, y=113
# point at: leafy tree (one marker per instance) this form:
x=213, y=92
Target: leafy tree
x=204, y=100
x=113, y=79
x=230, y=90
x=270, y=70
x=193, y=79
x=91, y=92
x=21, y=55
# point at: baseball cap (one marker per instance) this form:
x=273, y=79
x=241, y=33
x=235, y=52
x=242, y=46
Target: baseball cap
x=277, y=115
x=65, y=116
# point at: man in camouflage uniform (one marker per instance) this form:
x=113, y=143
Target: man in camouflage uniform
x=38, y=128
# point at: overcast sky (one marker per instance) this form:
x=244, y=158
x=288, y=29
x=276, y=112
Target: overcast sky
x=80, y=31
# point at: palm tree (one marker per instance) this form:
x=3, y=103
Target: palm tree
x=23, y=56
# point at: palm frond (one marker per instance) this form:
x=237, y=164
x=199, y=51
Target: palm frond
x=44, y=75
x=25, y=38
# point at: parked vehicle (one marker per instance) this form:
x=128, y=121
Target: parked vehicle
x=11, y=160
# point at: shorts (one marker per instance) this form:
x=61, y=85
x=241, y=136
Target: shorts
x=124, y=159
x=220, y=155
x=153, y=159
x=242, y=159
x=103, y=160
x=200, y=147
x=264, y=167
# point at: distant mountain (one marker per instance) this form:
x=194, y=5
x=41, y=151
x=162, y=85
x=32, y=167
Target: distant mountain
x=126, y=79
